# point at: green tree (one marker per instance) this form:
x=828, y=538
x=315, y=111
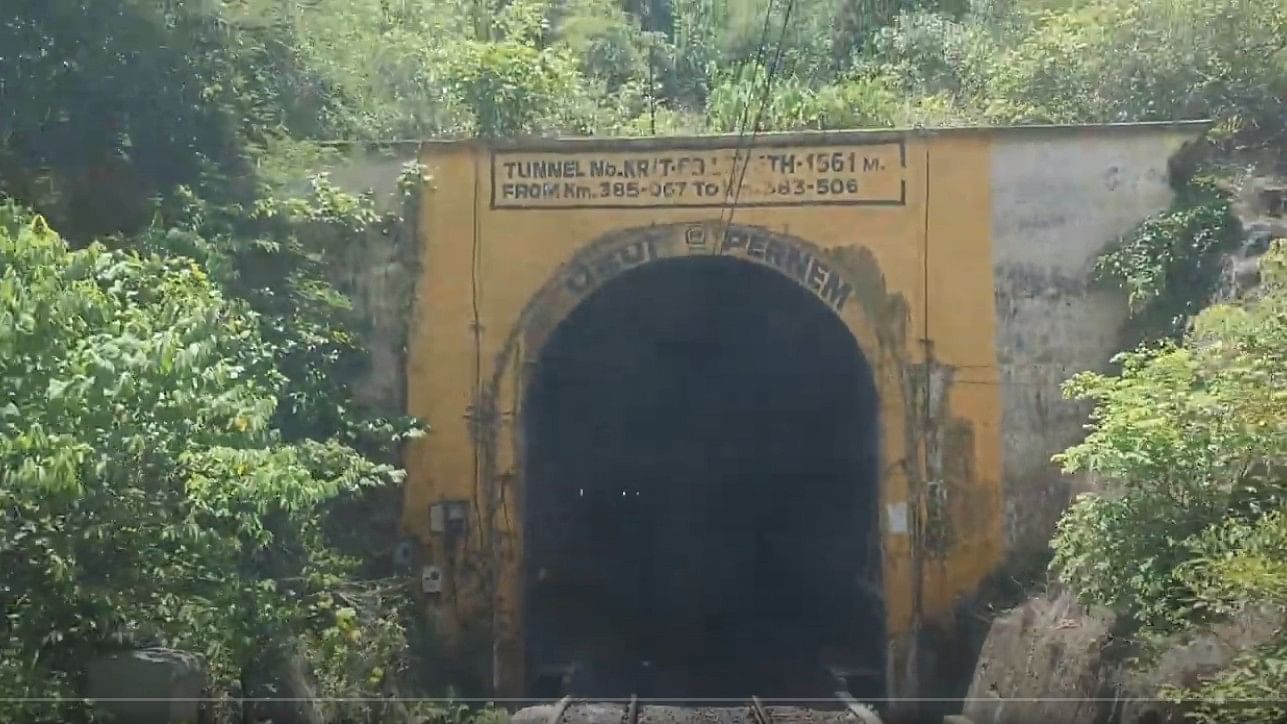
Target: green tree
x=145, y=495
x=105, y=105
x=1222, y=59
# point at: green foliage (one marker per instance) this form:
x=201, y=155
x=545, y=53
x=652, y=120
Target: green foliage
x=610, y=45
x=107, y=104
x=378, y=69
x=1250, y=690
x=203, y=92
x=696, y=55
x=176, y=132
x=513, y=88
x=1186, y=438
x=147, y=496
x=278, y=255
x=931, y=52
x=1188, y=59
x=1098, y=61
x=235, y=78
x=935, y=64
x=1189, y=444
x=386, y=59
x=1170, y=263
x=857, y=102
x=1237, y=564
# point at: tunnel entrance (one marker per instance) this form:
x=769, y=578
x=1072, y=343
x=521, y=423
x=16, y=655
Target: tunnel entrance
x=701, y=487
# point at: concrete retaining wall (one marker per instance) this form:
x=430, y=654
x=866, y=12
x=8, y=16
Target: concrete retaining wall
x=1058, y=199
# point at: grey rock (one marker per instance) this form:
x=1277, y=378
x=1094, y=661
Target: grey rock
x=147, y=686
x=1042, y=662
x=1052, y=661
x=1187, y=658
x=1260, y=211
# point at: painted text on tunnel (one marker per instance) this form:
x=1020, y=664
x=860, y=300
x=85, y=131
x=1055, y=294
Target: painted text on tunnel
x=756, y=176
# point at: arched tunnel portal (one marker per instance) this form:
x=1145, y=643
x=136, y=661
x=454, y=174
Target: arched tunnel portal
x=701, y=487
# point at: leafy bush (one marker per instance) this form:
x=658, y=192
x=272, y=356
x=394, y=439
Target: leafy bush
x=1140, y=60
x=512, y=88
x=1190, y=443
x=1170, y=263
x=1095, y=62
x=1238, y=564
x=512, y=84
x=737, y=104
x=145, y=495
x=608, y=43
x=696, y=55
x=930, y=52
x=382, y=62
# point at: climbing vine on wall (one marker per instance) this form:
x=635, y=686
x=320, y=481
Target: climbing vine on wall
x=1170, y=264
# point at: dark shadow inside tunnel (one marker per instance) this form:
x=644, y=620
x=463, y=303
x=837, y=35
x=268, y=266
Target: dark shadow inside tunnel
x=700, y=495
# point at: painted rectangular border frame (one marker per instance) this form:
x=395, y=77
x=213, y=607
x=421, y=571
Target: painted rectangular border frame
x=591, y=145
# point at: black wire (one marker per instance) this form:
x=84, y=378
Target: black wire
x=740, y=126
x=759, y=116
x=759, y=61
x=746, y=110
x=652, y=71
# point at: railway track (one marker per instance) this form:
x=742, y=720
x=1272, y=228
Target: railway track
x=842, y=708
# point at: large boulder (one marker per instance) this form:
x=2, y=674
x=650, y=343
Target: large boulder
x=1053, y=661
x=1185, y=660
x=1260, y=205
x=147, y=686
x=1042, y=662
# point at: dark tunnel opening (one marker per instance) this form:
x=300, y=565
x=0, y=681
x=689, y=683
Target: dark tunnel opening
x=701, y=486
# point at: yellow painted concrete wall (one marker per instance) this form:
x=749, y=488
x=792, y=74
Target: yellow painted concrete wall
x=900, y=232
